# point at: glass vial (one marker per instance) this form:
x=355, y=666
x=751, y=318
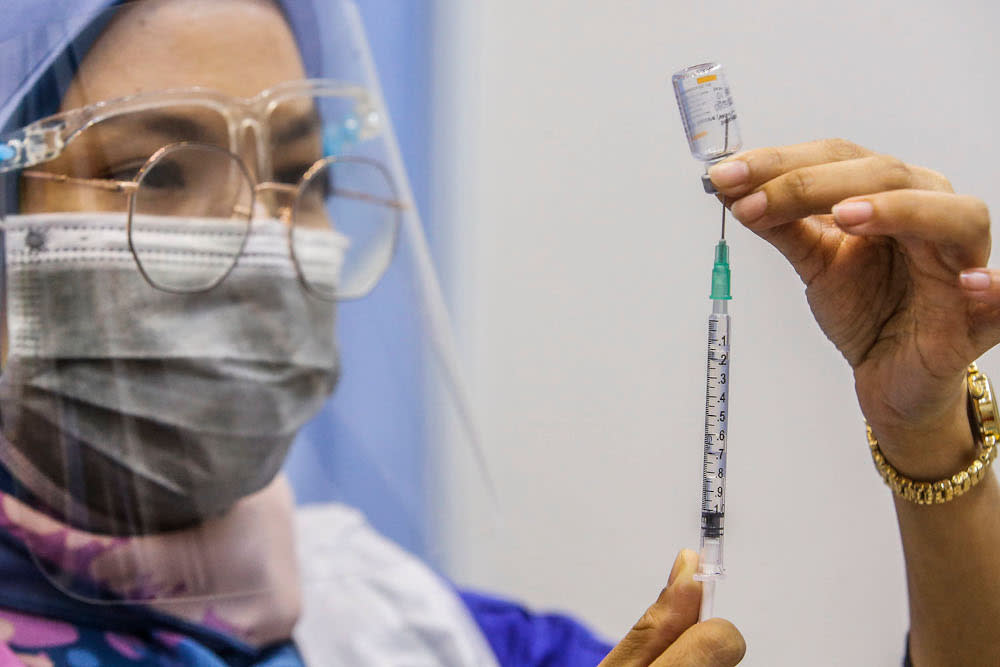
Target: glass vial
x=707, y=111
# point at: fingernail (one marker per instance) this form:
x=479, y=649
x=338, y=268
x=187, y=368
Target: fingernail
x=975, y=280
x=729, y=174
x=750, y=207
x=853, y=212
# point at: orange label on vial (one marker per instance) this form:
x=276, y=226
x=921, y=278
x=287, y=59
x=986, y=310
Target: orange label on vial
x=699, y=136
x=705, y=79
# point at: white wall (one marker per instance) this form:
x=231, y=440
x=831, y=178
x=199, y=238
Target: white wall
x=578, y=274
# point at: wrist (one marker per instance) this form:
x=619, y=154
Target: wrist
x=931, y=438
x=930, y=453
x=941, y=488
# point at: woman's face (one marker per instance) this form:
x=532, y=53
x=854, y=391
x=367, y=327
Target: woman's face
x=264, y=342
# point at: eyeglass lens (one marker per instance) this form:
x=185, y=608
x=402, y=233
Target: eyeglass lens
x=352, y=197
x=190, y=216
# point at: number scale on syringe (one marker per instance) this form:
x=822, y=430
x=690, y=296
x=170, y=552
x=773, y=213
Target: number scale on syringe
x=713, y=506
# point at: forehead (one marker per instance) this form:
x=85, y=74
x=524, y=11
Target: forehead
x=238, y=47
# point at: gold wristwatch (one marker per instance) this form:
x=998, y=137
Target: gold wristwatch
x=983, y=416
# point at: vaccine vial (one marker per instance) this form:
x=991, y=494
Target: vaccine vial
x=708, y=113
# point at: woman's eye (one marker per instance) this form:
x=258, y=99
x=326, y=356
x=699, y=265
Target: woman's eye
x=166, y=174
x=122, y=172
x=291, y=174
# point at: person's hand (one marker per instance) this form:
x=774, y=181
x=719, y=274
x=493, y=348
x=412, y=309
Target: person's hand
x=669, y=634
x=893, y=263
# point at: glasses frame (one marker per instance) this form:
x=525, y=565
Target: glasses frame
x=285, y=213
x=395, y=203
x=45, y=139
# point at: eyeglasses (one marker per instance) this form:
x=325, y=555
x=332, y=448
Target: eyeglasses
x=183, y=186
x=170, y=161
x=282, y=118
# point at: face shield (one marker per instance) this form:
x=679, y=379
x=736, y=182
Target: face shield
x=210, y=249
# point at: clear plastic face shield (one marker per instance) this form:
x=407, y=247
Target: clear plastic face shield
x=207, y=233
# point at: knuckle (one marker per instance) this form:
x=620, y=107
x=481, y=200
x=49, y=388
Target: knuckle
x=983, y=210
x=940, y=181
x=650, y=621
x=980, y=214
x=648, y=631
x=670, y=614
x=773, y=158
x=842, y=149
x=895, y=173
x=800, y=184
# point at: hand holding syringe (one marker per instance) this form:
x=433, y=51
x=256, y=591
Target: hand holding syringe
x=709, y=117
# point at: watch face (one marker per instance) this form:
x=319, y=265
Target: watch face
x=984, y=405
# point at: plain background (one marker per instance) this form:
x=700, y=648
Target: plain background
x=577, y=267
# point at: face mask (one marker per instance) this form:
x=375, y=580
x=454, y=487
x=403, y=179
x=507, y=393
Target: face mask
x=126, y=409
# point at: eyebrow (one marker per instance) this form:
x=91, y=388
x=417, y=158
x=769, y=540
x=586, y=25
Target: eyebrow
x=171, y=124
x=301, y=126
x=121, y=136
x=113, y=130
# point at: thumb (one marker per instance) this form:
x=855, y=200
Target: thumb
x=675, y=610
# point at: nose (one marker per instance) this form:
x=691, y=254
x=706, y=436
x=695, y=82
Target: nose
x=247, y=147
x=274, y=200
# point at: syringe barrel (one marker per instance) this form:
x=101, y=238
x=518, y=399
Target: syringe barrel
x=713, y=498
x=707, y=111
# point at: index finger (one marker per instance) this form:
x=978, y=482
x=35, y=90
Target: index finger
x=764, y=164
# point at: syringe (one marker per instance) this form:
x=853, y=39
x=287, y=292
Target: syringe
x=713, y=133
x=713, y=496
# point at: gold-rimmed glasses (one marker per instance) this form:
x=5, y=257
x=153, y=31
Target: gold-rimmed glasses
x=205, y=192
